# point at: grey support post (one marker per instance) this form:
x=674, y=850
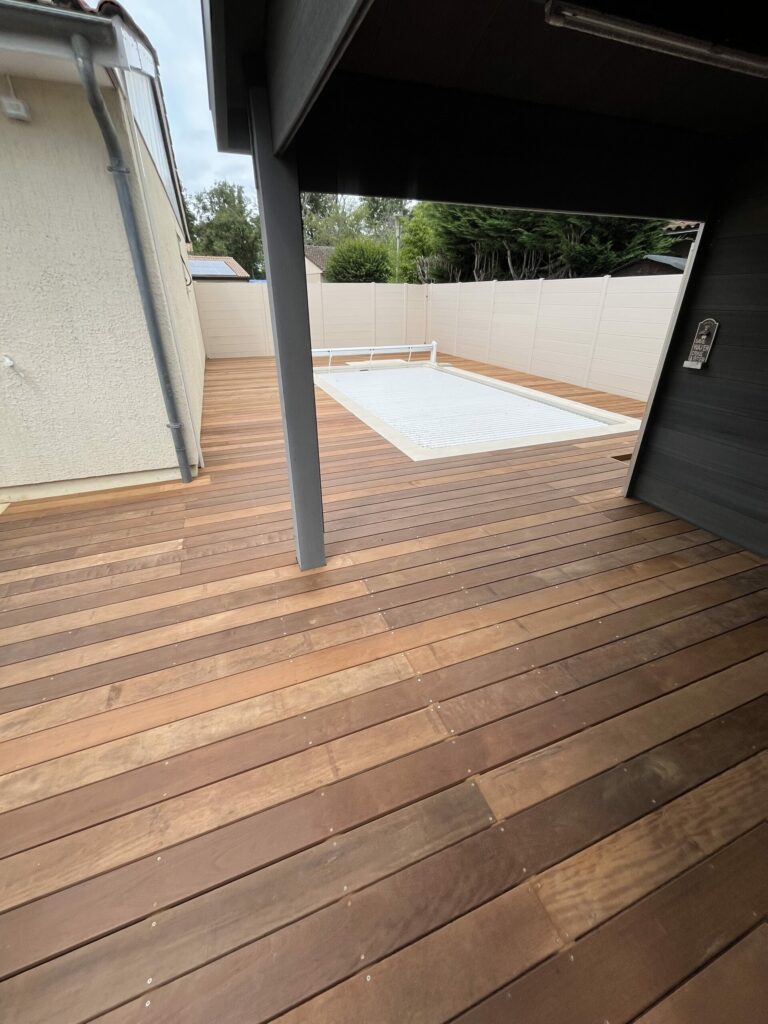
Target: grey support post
x=282, y=235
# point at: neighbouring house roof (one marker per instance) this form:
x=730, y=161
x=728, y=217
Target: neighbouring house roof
x=646, y=265
x=318, y=254
x=216, y=267
x=678, y=262
x=681, y=227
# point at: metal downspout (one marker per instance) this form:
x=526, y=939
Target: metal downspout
x=119, y=169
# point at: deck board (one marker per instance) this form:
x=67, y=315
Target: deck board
x=514, y=727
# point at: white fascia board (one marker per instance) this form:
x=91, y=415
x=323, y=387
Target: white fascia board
x=46, y=31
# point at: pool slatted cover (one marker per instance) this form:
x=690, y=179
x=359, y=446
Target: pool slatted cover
x=437, y=410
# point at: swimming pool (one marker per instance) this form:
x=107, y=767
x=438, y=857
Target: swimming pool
x=430, y=411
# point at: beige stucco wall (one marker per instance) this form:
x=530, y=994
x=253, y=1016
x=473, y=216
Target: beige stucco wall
x=172, y=281
x=83, y=400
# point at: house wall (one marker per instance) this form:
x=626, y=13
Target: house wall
x=82, y=401
x=704, y=452
x=604, y=333
x=173, y=287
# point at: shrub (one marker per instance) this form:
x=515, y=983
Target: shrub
x=358, y=259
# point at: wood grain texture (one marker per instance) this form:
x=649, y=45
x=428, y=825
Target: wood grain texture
x=672, y=933
x=516, y=718
x=732, y=987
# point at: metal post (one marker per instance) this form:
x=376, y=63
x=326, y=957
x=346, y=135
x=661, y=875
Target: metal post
x=281, y=229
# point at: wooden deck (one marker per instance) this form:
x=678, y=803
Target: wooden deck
x=502, y=760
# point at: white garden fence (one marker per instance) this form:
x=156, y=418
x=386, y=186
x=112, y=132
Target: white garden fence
x=604, y=333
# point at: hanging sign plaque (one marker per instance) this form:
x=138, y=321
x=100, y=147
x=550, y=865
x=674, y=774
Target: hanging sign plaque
x=702, y=344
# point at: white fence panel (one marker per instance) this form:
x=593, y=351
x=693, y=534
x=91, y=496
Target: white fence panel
x=348, y=319
x=415, y=313
x=474, y=321
x=443, y=318
x=316, y=324
x=234, y=318
x=390, y=313
x=566, y=327
x=513, y=328
x=632, y=329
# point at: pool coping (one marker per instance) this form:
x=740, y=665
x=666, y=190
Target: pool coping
x=610, y=423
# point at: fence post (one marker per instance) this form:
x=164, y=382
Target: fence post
x=373, y=307
x=535, y=324
x=456, y=325
x=269, y=341
x=598, y=321
x=322, y=312
x=490, y=321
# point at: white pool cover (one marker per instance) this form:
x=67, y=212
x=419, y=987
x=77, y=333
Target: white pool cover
x=435, y=409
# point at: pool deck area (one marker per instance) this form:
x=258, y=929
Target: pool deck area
x=503, y=759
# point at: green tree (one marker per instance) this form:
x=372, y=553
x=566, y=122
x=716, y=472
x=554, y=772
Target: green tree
x=592, y=246
x=379, y=217
x=225, y=223
x=418, y=250
x=329, y=219
x=359, y=259
x=188, y=214
x=487, y=243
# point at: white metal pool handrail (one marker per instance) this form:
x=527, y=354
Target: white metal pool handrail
x=372, y=350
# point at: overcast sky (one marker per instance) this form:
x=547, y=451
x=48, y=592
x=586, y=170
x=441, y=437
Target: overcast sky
x=175, y=29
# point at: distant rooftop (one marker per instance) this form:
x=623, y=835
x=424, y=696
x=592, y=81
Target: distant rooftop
x=677, y=262
x=223, y=267
x=318, y=254
x=681, y=227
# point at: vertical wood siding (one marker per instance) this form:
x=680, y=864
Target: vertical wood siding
x=704, y=454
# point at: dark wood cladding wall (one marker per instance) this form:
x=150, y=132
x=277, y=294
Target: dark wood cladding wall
x=704, y=455
x=368, y=136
